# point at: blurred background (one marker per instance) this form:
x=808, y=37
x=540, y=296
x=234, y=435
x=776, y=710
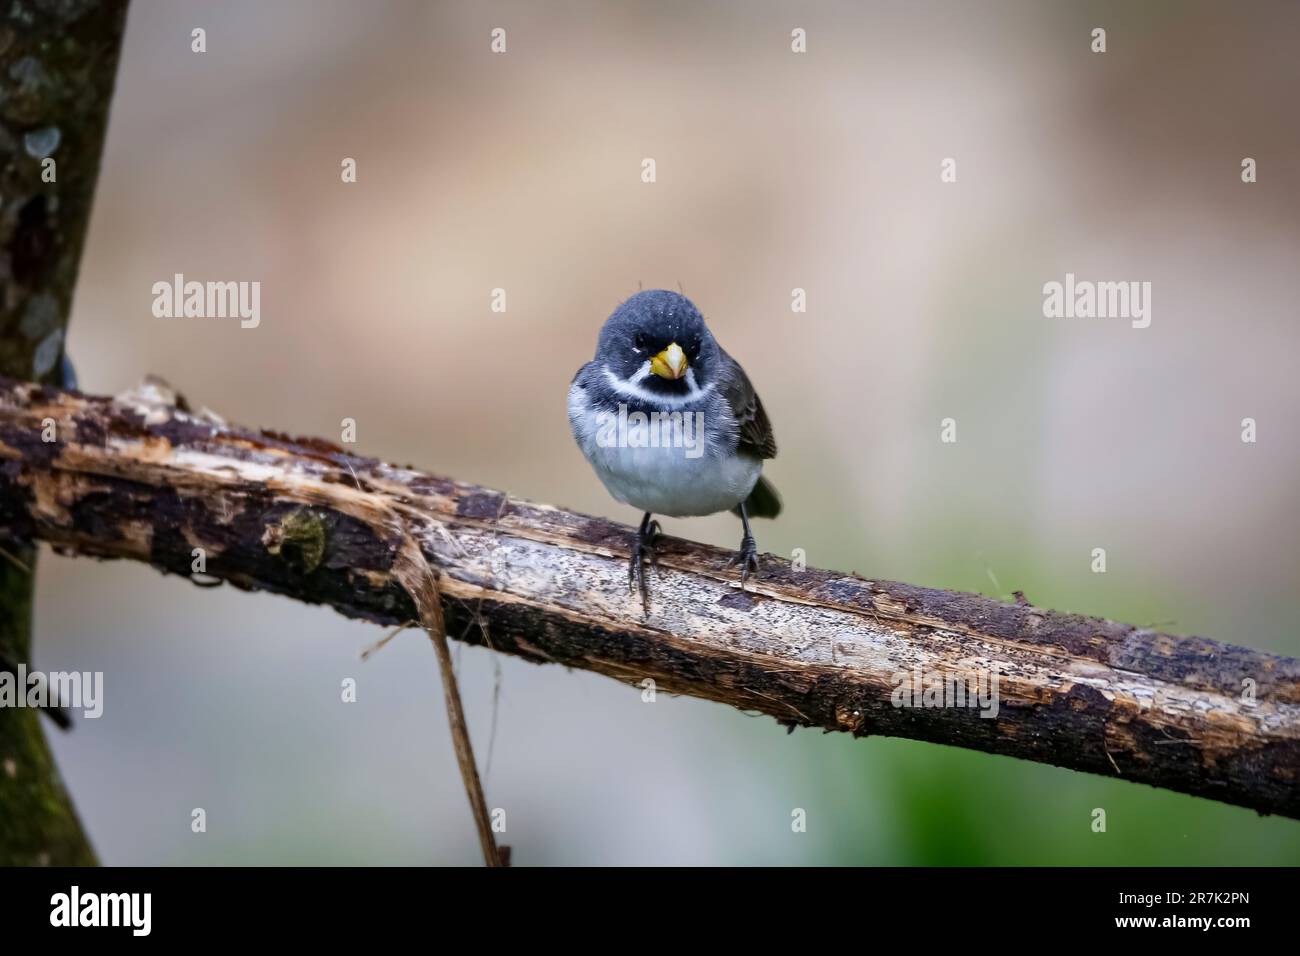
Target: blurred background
x=775, y=171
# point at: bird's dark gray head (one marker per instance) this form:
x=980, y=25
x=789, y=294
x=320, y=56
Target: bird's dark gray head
x=658, y=340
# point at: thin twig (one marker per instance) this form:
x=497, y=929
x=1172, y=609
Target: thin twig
x=419, y=580
x=464, y=750
x=15, y=559
x=1112, y=761
x=380, y=644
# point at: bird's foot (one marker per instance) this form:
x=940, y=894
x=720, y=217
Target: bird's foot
x=644, y=548
x=747, y=558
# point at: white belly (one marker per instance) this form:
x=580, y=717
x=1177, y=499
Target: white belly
x=666, y=479
x=666, y=482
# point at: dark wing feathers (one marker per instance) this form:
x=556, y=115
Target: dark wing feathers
x=755, y=431
x=763, y=501
x=755, y=435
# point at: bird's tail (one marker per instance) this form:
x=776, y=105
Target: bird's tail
x=763, y=501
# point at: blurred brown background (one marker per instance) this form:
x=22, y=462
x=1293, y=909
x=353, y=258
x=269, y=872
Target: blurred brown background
x=775, y=170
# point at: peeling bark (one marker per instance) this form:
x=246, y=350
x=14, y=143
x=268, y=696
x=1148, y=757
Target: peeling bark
x=140, y=478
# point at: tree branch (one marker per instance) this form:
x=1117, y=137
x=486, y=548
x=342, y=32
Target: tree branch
x=140, y=479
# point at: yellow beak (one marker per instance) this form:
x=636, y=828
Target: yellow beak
x=670, y=363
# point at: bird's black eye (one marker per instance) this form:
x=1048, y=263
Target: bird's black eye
x=640, y=341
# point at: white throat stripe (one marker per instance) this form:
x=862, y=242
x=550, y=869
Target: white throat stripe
x=633, y=389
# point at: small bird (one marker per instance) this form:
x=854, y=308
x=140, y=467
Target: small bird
x=671, y=424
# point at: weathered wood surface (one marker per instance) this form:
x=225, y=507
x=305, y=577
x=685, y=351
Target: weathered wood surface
x=138, y=478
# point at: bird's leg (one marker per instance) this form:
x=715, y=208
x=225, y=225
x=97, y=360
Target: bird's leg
x=747, y=556
x=644, y=548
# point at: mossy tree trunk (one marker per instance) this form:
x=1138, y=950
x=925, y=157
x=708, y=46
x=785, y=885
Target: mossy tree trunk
x=58, y=61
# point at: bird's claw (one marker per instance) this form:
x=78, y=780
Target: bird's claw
x=747, y=558
x=644, y=548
